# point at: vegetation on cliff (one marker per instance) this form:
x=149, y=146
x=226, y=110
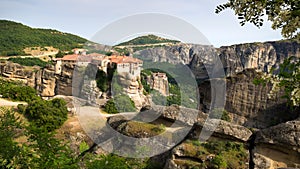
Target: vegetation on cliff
x=29, y=61
x=287, y=79
x=15, y=37
x=142, y=42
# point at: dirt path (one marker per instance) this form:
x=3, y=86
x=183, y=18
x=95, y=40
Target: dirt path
x=4, y=102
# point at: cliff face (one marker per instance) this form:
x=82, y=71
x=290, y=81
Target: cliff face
x=247, y=103
x=235, y=58
x=64, y=80
x=49, y=84
x=44, y=80
x=259, y=56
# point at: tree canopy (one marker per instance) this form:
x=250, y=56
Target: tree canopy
x=48, y=114
x=284, y=14
x=41, y=149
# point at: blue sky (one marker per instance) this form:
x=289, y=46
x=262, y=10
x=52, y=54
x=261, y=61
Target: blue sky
x=86, y=17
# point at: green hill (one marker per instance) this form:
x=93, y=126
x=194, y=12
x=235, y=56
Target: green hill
x=16, y=36
x=142, y=42
x=148, y=39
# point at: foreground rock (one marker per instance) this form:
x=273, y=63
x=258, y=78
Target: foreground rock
x=222, y=129
x=278, y=146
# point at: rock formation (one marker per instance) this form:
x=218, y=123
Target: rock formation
x=278, y=146
x=235, y=58
x=159, y=81
x=247, y=103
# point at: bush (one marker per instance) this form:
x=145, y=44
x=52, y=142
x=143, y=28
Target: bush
x=17, y=91
x=219, y=162
x=41, y=149
x=49, y=114
x=158, y=98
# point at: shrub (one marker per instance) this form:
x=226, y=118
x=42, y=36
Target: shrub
x=219, y=162
x=17, y=91
x=49, y=114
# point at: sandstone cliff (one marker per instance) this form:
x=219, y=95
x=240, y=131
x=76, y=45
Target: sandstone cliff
x=44, y=80
x=49, y=84
x=247, y=103
x=235, y=58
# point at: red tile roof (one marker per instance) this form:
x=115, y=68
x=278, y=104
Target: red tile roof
x=74, y=57
x=124, y=59
x=70, y=57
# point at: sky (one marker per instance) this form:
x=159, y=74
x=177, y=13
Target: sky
x=86, y=17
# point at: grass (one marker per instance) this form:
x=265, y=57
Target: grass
x=135, y=129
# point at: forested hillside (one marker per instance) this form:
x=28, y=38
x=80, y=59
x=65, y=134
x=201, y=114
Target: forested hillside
x=16, y=36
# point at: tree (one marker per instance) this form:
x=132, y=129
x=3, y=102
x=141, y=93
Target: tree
x=49, y=114
x=59, y=54
x=9, y=150
x=285, y=14
x=41, y=149
x=49, y=152
x=102, y=80
x=120, y=103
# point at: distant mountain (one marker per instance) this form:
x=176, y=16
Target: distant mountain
x=146, y=40
x=143, y=42
x=15, y=37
